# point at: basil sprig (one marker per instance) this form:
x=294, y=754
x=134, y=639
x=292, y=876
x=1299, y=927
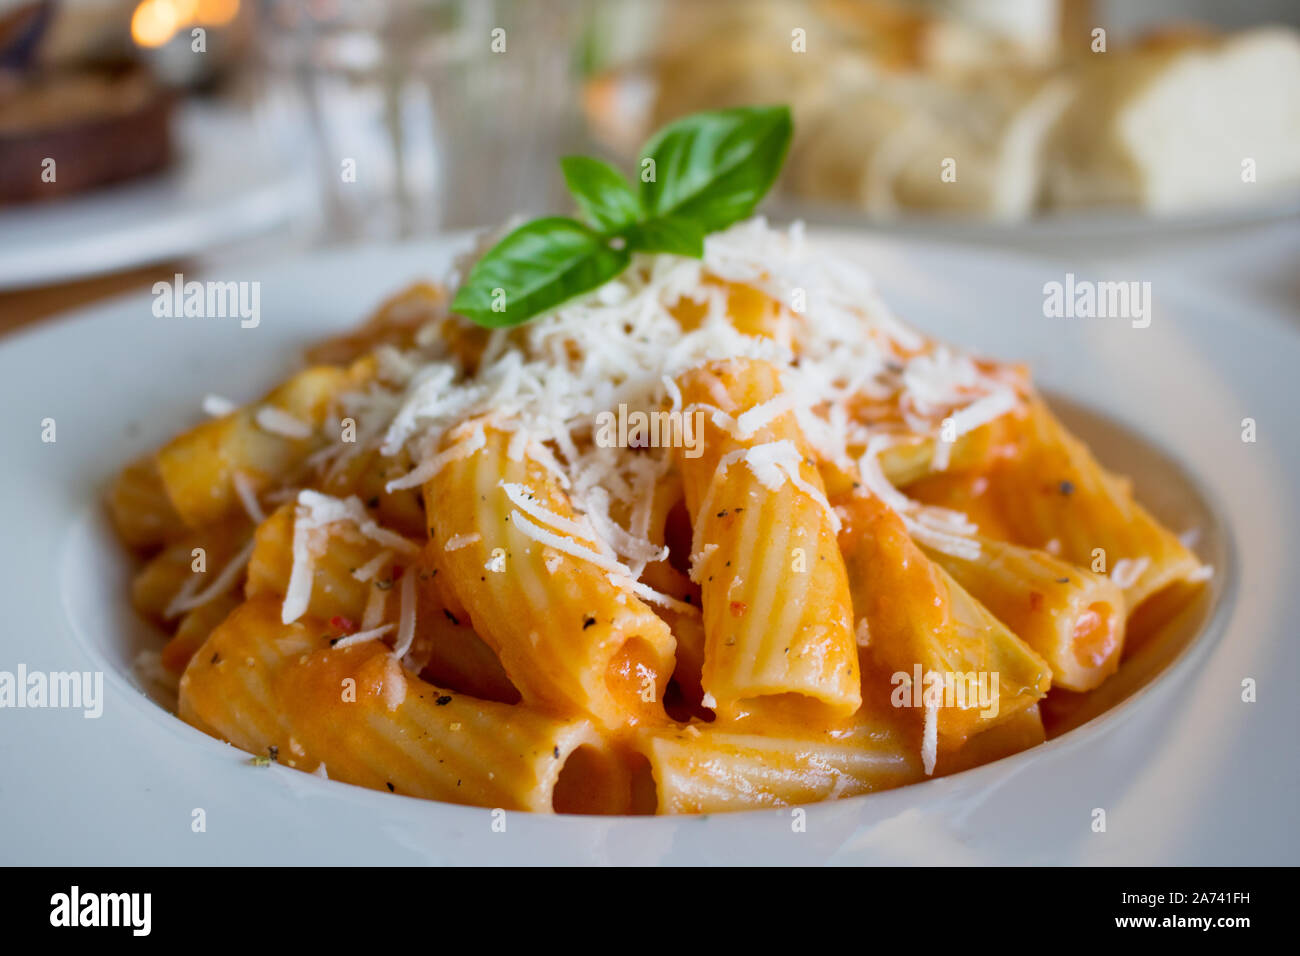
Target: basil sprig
x=699, y=174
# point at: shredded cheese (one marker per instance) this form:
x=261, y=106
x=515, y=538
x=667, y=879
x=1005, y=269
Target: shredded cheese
x=863, y=633
x=361, y=637
x=376, y=605
x=277, y=421
x=930, y=739
x=760, y=416
x=523, y=498
x=216, y=406
x=248, y=497
x=372, y=567
x=313, y=515
x=622, y=348
x=186, y=600
x=458, y=541
x=406, y=617
x=1127, y=571
x=567, y=545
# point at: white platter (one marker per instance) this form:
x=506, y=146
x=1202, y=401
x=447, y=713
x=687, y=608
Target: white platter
x=1186, y=771
x=228, y=183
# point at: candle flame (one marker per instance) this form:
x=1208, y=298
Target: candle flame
x=154, y=22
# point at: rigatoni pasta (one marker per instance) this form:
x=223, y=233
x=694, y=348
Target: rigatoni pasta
x=1050, y=493
x=916, y=619
x=777, y=618
x=1072, y=617
x=563, y=617
x=723, y=534
x=372, y=723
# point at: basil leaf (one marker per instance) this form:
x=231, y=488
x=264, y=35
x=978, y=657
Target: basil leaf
x=714, y=167
x=605, y=198
x=537, y=267
x=683, y=237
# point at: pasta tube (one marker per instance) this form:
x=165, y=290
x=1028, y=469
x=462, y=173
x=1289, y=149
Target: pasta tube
x=1054, y=495
x=264, y=442
x=185, y=568
x=913, y=614
x=356, y=585
x=227, y=689
x=376, y=725
x=1022, y=731
x=1073, y=618
x=563, y=617
x=142, y=514
x=777, y=616
x=748, y=765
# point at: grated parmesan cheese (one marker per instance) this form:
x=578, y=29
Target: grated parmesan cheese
x=217, y=406
x=248, y=497
x=930, y=739
x=360, y=637
x=762, y=415
x=621, y=347
x=406, y=617
x=863, y=633
x=523, y=498
x=277, y=421
x=458, y=541
x=1127, y=571
x=186, y=600
x=313, y=515
x=376, y=605
x=372, y=567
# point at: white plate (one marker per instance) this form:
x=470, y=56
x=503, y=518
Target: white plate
x=227, y=183
x=1186, y=772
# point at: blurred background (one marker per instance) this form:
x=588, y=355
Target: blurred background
x=143, y=137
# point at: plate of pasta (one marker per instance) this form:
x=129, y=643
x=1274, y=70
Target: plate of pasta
x=742, y=556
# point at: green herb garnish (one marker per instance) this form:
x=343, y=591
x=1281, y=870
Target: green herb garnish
x=698, y=175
